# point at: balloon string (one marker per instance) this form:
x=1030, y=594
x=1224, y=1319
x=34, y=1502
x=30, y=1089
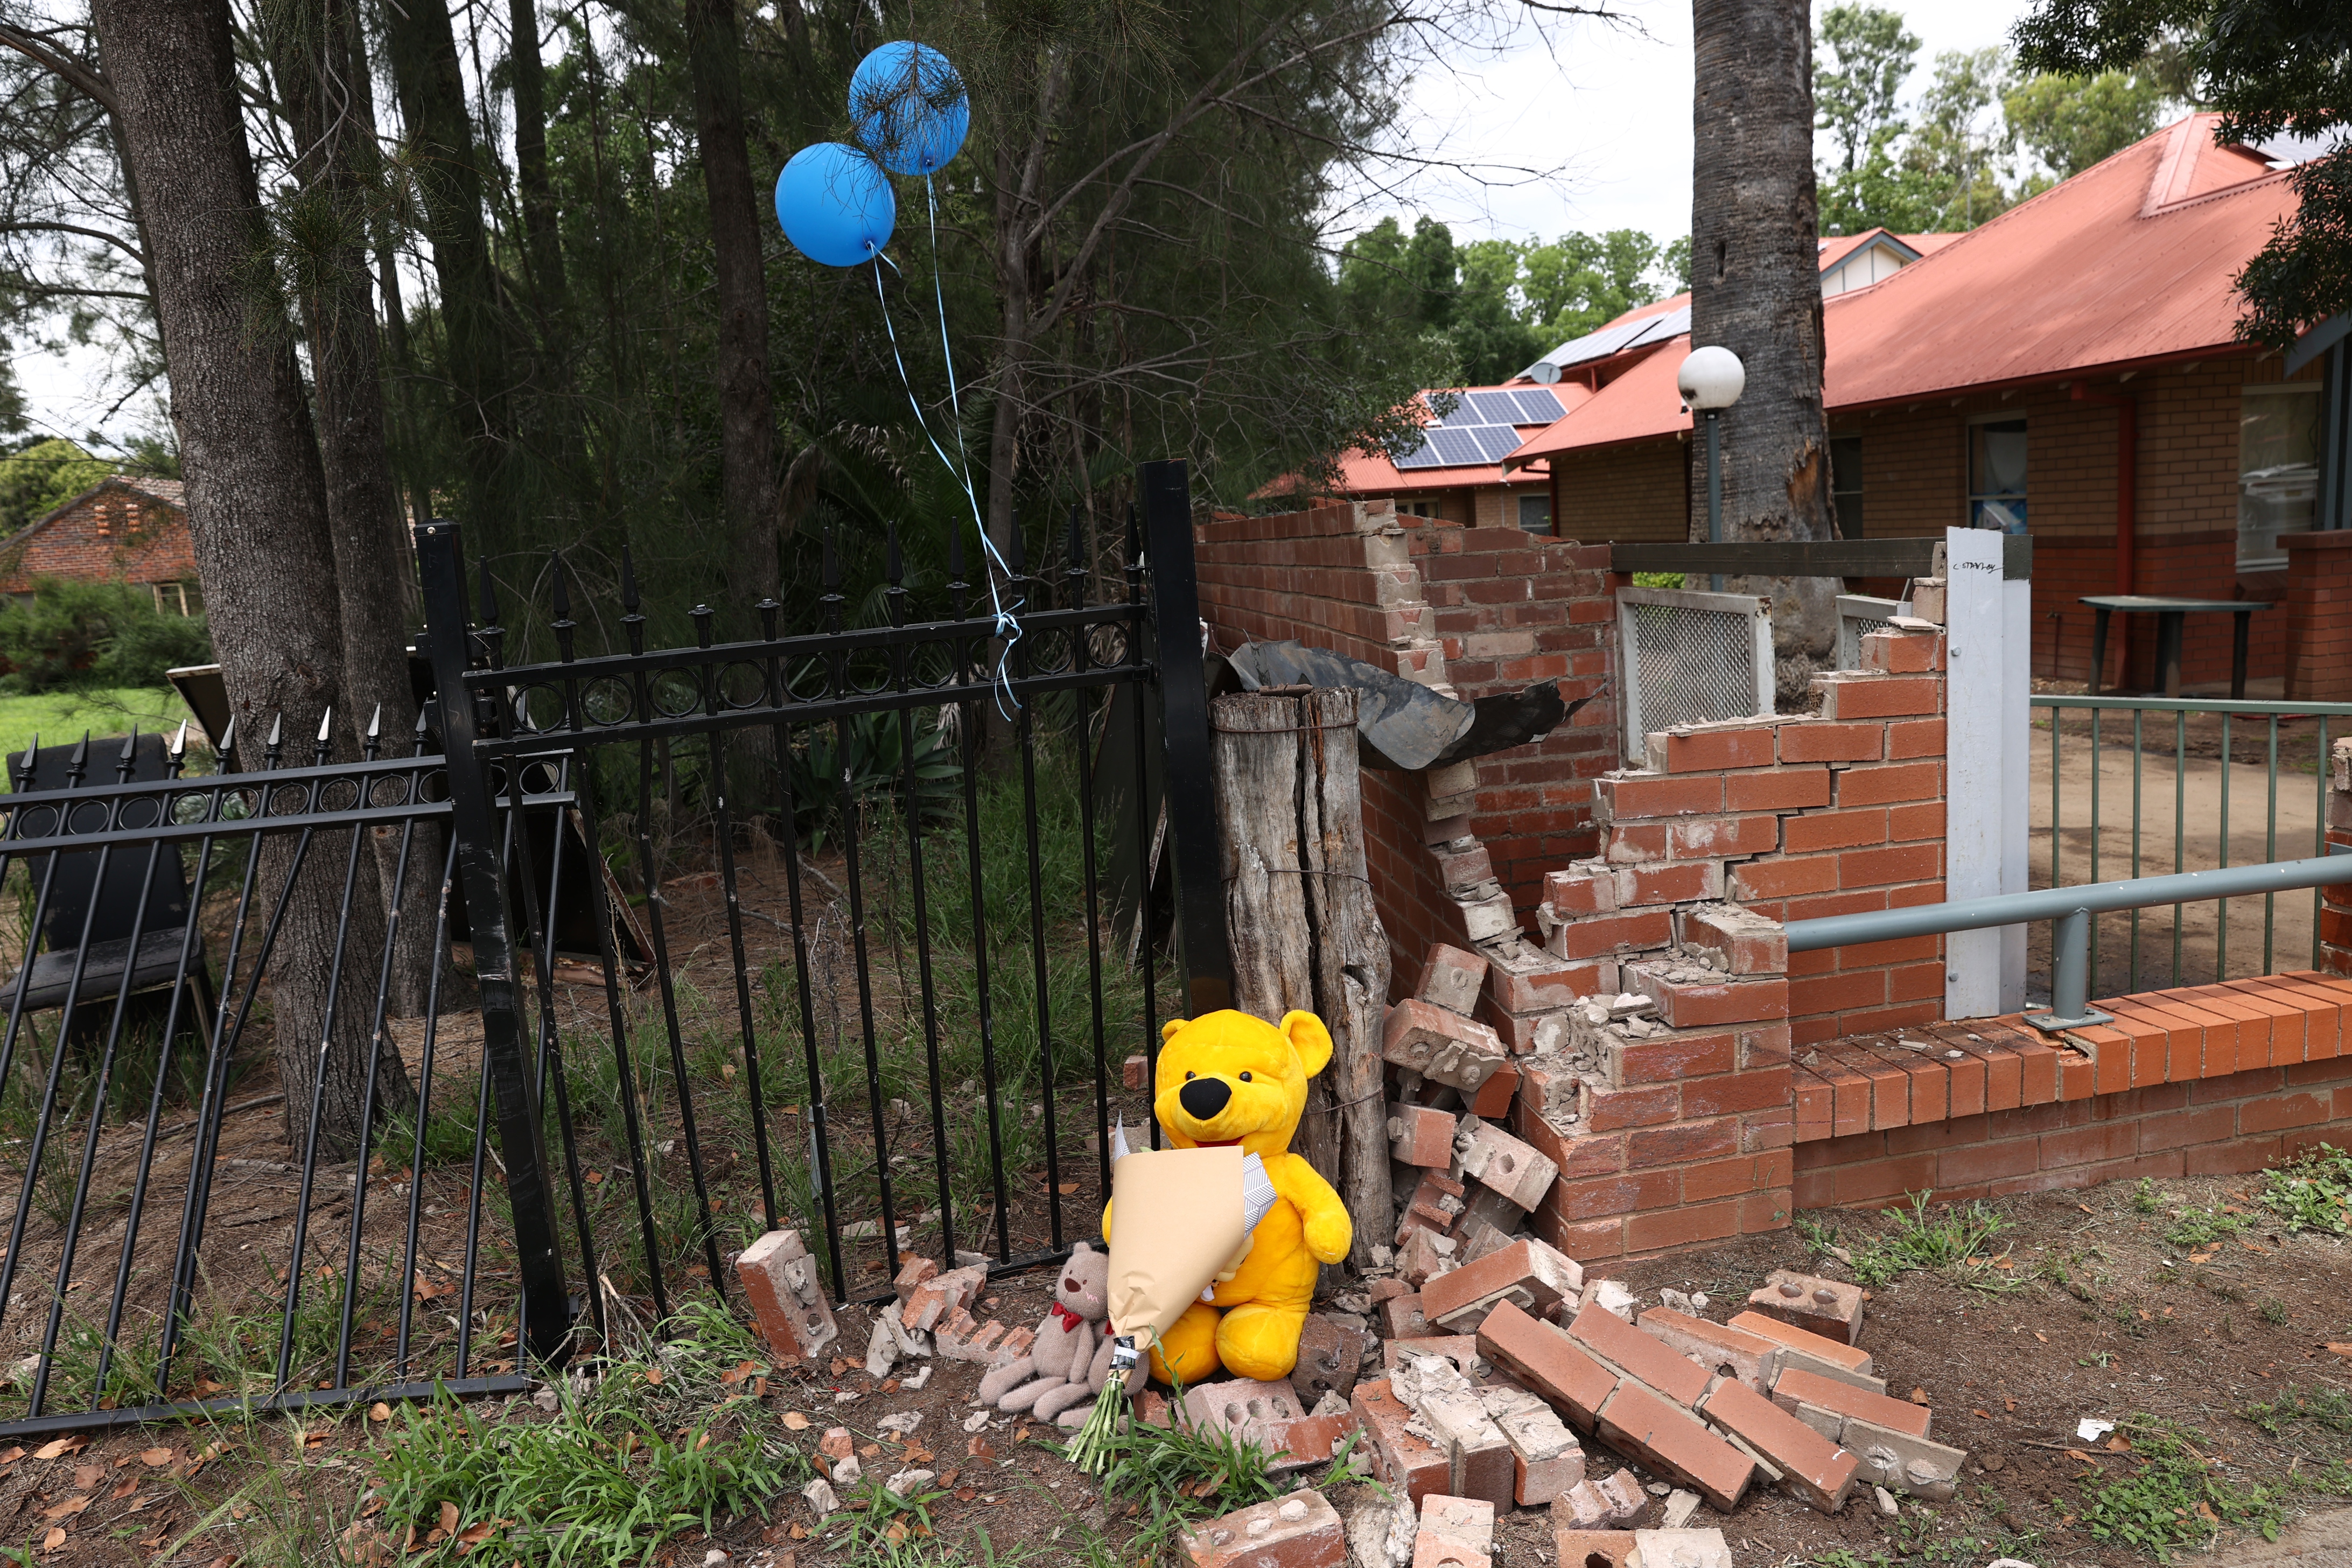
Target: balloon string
x=1007, y=626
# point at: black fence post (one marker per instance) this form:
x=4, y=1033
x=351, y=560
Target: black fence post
x=1189, y=790
x=539, y=1248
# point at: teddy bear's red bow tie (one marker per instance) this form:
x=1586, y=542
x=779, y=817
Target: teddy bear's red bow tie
x=1070, y=1321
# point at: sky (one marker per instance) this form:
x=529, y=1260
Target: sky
x=1571, y=124
x=1604, y=115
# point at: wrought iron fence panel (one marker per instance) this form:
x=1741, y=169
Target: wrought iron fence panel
x=916, y=1037
x=141, y=1175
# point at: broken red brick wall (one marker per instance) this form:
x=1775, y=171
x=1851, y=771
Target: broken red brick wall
x=1472, y=611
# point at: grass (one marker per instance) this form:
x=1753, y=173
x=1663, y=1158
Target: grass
x=2170, y=1498
x=60, y=718
x=1954, y=1240
x=1166, y=1477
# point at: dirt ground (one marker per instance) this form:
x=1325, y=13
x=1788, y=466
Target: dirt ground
x=2181, y=784
x=2140, y=1330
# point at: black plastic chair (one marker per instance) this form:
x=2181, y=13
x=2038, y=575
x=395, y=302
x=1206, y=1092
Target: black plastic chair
x=80, y=906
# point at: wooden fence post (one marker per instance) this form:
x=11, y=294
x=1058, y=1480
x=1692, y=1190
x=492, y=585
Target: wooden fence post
x=1299, y=916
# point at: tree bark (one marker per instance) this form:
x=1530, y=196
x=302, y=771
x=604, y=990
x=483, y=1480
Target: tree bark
x=1299, y=908
x=747, y=451
x=313, y=46
x=256, y=504
x=542, y=242
x=1756, y=289
x=424, y=56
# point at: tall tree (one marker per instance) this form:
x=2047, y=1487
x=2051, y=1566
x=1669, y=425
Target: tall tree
x=1581, y=280
x=2071, y=122
x=323, y=230
x=1863, y=56
x=746, y=404
x=257, y=495
x=1756, y=289
x=448, y=163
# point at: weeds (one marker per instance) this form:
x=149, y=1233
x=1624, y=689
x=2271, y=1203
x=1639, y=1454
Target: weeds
x=1168, y=1475
x=2195, y=1227
x=2145, y=1198
x=2313, y=1192
x=2172, y=1499
x=1952, y=1239
x=2327, y=1408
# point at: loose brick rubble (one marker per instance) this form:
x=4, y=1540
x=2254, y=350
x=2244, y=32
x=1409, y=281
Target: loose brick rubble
x=1301, y=1530
x=788, y=1298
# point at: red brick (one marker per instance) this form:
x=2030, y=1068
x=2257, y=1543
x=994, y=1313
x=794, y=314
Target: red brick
x=1903, y=653
x=2305, y=1109
x=1834, y=830
x=1682, y=1142
x=1739, y=1173
x=1914, y=738
x=1758, y=880
x=1734, y=1092
x=1597, y=935
x=1662, y=1228
x=1712, y=750
x=1685, y=881
x=1795, y=1386
x=1644, y=1107
x=1674, y=1443
x=1674, y=1059
x=1630, y=796
x=1778, y=789
x=2207, y=1124
x=1573, y=893
x=1699, y=838
x=1890, y=782
x=1704, y=1004
x=1620, y=1345
x=1407, y=1463
x=1551, y=1366
x=1813, y=1465
x=1879, y=696
x=1819, y=1346
x=1818, y=741
x=1894, y=863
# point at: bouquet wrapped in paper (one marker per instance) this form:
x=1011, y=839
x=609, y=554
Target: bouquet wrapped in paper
x=1180, y=1220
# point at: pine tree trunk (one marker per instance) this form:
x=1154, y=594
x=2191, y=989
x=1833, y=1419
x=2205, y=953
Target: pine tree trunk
x=1756, y=289
x=424, y=56
x=256, y=508
x=747, y=450
x=313, y=58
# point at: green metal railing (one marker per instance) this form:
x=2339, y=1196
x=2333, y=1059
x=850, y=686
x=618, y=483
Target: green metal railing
x=2108, y=715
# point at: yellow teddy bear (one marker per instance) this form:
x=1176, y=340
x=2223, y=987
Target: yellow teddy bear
x=1227, y=1078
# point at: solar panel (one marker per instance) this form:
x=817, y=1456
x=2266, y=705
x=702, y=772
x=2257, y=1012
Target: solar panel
x=1494, y=407
x=1496, y=442
x=1420, y=456
x=1538, y=407
x=1455, y=449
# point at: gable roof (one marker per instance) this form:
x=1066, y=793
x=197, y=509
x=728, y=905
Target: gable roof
x=2131, y=261
x=173, y=493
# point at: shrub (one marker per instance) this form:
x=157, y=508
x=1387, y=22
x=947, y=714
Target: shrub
x=96, y=633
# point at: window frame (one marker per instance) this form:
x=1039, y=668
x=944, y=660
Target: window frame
x=1971, y=508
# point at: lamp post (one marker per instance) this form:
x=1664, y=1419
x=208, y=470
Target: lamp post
x=1711, y=380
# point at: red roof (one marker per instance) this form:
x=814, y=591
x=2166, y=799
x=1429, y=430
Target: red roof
x=2131, y=261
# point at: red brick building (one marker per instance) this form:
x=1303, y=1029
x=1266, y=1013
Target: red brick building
x=122, y=530
x=2007, y=378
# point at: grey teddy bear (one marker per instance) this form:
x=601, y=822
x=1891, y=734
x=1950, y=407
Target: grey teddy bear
x=1070, y=1361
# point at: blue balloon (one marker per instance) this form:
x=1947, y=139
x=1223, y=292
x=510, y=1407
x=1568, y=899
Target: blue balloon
x=909, y=108
x=836, y=205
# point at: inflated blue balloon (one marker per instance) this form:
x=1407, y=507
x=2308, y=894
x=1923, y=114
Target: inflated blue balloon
x=909, y=108
x=836, y=205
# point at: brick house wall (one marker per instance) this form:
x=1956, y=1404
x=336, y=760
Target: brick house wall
x=1634, y=492
x=120, y=530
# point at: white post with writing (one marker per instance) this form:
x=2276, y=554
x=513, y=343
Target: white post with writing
x=1988, y=624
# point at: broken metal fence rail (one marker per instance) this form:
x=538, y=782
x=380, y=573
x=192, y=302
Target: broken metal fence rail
x=101, y=1200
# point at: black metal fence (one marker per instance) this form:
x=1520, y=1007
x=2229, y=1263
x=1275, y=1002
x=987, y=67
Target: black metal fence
x=804, y=931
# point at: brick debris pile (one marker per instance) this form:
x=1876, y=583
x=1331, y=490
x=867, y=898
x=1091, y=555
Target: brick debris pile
x=1478, y=1367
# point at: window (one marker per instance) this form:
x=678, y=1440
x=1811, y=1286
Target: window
x=1997, y=475
x=2278, y=469
x=1535, y=512
x=1845, y=484
x=1422, y=507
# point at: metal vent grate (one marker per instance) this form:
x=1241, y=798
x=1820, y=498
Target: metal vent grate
x=1692, y=658
x=1858, y=617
